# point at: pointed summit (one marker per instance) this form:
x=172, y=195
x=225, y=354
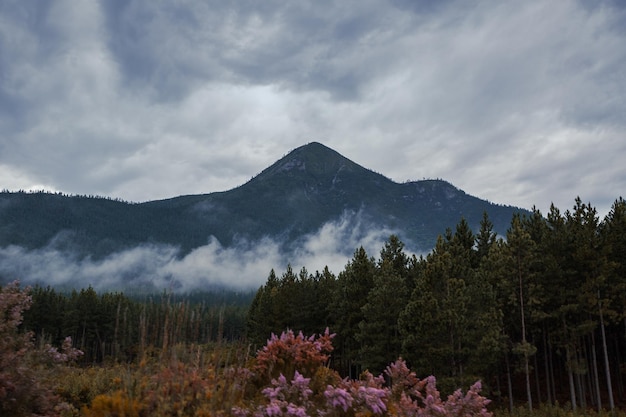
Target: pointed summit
x=318, y=167
x=313, y=158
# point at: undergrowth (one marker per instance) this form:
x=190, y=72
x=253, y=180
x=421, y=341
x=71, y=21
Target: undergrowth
x=288, y=377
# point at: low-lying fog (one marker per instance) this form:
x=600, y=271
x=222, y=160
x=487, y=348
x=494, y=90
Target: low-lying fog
x=245, y=265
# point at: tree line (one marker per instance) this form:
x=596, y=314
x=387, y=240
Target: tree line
x=539, y=314
x=113, y=326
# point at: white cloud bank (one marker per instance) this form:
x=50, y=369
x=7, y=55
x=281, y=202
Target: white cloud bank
x=245, y=265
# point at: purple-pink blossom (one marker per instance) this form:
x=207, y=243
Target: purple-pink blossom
x=296, y=411
x=274, y=409
x=301, y=384
x=338, y=397
x=373, y=398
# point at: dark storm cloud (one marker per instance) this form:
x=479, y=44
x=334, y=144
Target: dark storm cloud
x=300, y=45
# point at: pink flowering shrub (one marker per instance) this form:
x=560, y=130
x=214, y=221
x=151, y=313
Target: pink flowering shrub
x=363, y=397
x=415, y=397
x=67, y=354
x=287, y=398
x=290, y=352
x=290, y=375
x=24, y=389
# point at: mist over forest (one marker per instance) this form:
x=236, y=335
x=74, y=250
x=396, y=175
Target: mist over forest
x=158, y=267
x=312, y=208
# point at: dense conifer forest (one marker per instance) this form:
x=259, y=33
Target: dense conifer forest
x=537, y=315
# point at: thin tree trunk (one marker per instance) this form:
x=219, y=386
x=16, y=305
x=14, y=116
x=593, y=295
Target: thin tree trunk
x=552, y=377
x=546, y=364
x=570, y=376
x=115, y=333
x=606, y=358
x=82, y=343
x=509, y=381
x=618, y=359
x=143, y=332
x=166, y=335
x=127, y=332
x=537, y=382
x=526, y=366
x=220, y=326
x=582, y=398
x=585, y=377
x=596, y=378
x=498, y=387
x=528, y=391
x=581, y=390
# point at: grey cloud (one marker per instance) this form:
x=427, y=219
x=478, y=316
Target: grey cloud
x=173, y=49
x=487, y=96
x=144, y=100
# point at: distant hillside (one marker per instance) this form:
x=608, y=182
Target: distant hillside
x=295, y=196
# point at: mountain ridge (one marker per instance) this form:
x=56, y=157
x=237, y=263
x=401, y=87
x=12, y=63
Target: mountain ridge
x=295, y=196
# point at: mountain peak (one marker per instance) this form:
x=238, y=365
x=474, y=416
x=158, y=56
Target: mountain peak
x=314, y=147
x=316, y=153
x=313, y=161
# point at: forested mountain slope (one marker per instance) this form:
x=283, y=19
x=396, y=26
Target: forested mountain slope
x=297, y=195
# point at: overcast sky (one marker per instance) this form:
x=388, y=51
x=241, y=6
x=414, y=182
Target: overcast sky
x=517, y=102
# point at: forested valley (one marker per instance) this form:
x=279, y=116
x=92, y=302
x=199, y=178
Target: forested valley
x=538, y=315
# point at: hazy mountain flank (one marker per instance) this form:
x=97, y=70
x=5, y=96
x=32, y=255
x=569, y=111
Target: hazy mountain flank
x=296, y=196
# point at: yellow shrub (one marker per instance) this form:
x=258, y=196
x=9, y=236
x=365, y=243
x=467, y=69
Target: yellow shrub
x=115, y=405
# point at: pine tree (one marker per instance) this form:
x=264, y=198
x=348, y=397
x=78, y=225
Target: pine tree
x=521, y=250
x=325, y=287
x=593, y=269
x=613, y=242
x=424, y=343
x=485, y=239
x=484, y=328
x=434, y=322
x=492, y=273
x=353, y=286
x=560, y=289
x=393, y=254
x=287, y=301
x=378, y=331
x=544, y=269
x=263, y=317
